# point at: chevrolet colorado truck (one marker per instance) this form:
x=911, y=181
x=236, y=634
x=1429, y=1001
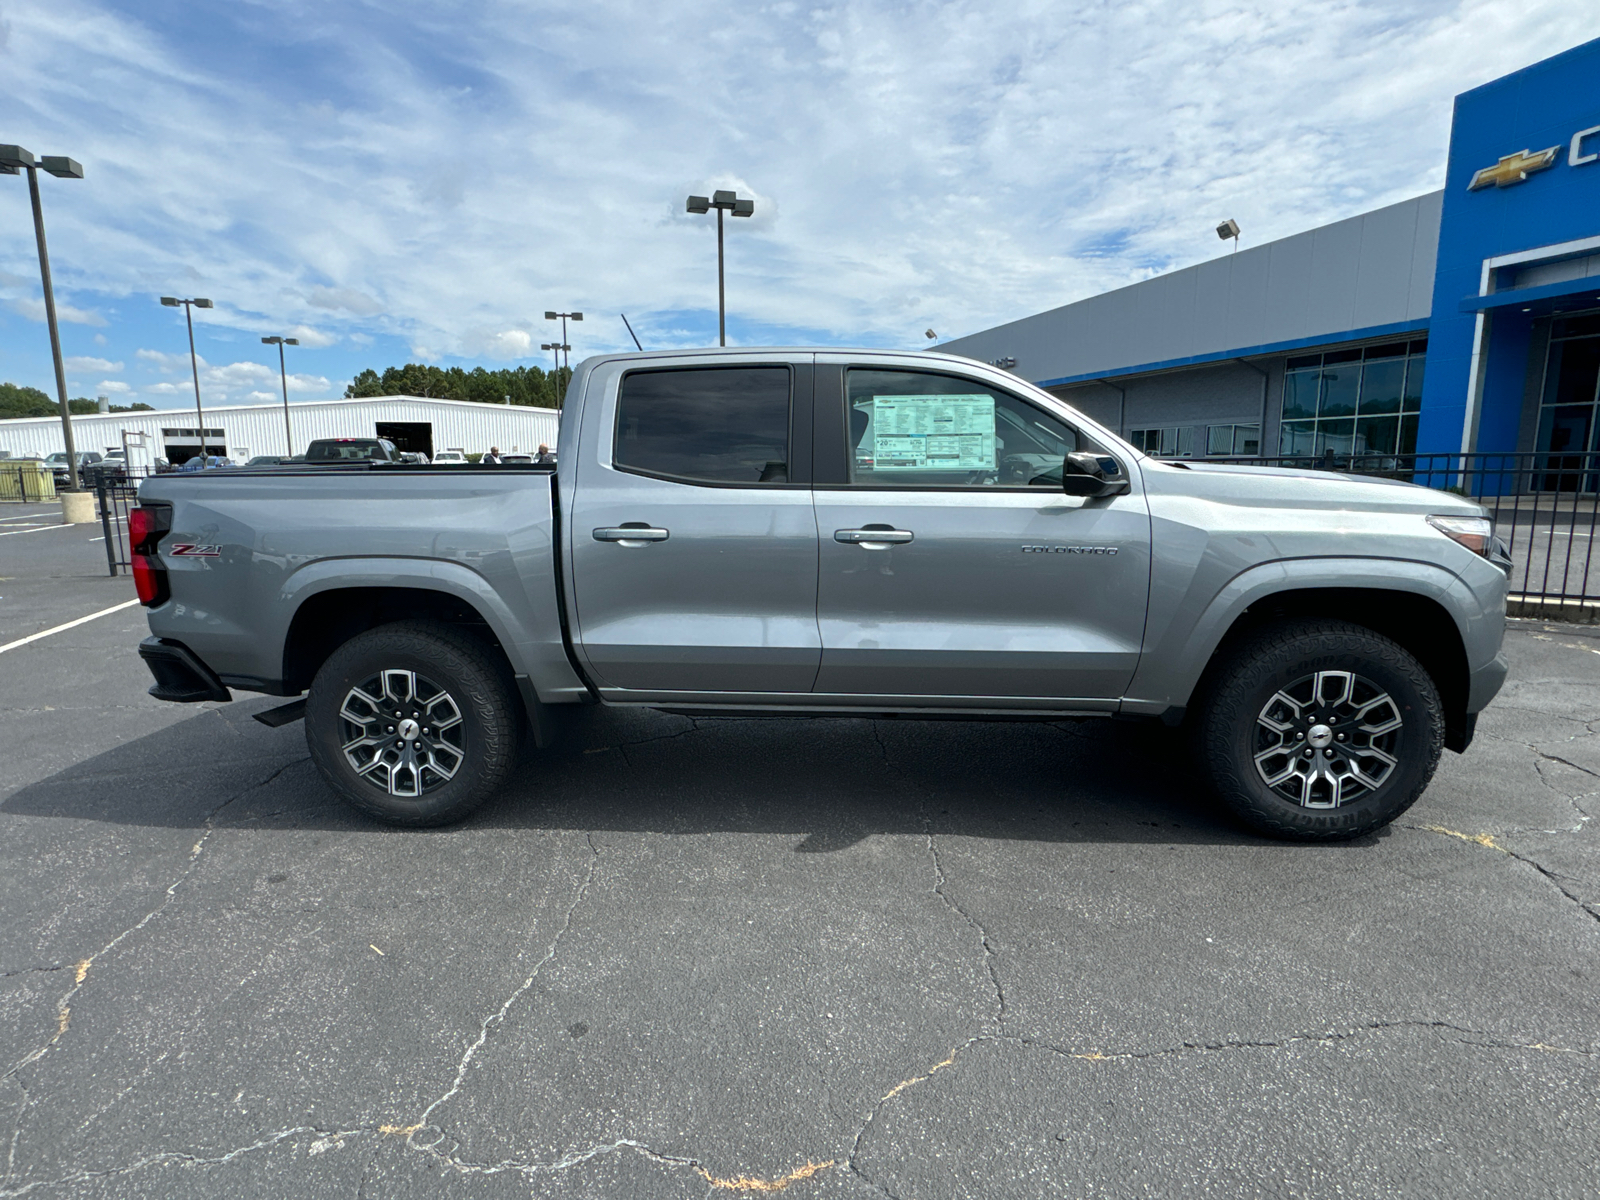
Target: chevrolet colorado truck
x=833, y=533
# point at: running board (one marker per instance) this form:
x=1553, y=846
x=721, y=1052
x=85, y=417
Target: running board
x=272, y=718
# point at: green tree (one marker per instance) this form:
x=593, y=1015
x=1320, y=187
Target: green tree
x=528, y=386
x=18, y=401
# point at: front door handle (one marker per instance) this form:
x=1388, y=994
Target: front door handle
x=631, y=535
x=873, y=538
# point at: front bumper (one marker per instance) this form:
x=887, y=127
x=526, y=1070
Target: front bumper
x=181, y=677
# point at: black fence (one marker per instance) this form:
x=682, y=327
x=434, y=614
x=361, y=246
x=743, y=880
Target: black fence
x=1546, y=508
x=114, y=496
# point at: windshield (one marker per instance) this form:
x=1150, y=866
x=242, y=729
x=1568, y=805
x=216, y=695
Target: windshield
x=58, y=457
x=343, y=451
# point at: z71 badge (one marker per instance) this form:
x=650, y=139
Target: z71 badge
x=1069, y=550
x=189, y=550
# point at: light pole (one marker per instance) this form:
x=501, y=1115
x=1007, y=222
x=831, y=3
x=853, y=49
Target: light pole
x=13, y=160
x=551, y=316
x=283, y=373
x=557, y=347
x=194, y=362
x=722, y=202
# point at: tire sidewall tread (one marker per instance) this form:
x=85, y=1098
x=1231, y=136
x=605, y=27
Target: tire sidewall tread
x=1278, y=654
x=475, y=675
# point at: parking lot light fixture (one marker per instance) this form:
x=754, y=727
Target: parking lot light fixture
x=565, y=349
x=194, y=362
x=722, y=202
x=283, y=374
x=13, y=161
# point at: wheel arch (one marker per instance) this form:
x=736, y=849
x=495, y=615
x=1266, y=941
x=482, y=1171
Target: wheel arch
x=1426, y=609
x=1419, y=624
x=328, y=618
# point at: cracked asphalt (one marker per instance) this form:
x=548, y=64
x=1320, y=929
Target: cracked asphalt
x=841, y=958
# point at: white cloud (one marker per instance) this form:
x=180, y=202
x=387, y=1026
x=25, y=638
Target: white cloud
x=347, y=299
x=441, y=178
x=34, y=310
x=166, y=362
x=167, y=389
x=314, y=339
x=112, y=387
x=78, y=362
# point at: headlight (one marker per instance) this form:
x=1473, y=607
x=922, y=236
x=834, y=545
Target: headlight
x=1475, y=533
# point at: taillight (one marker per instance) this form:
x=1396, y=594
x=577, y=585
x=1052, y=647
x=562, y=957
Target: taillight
x=146, y=524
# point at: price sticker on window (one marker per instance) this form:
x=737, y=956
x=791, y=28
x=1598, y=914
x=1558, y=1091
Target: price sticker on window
x=933, y=433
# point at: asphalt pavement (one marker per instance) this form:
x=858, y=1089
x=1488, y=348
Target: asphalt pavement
x=724, y=957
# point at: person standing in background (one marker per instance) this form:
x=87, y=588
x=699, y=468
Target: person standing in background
x=493, y=457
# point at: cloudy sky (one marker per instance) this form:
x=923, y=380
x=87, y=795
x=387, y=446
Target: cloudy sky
x=394, y=181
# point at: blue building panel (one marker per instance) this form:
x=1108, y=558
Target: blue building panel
x=1541, y=108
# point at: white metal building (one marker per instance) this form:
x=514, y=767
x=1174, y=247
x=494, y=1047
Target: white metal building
x=242, y=430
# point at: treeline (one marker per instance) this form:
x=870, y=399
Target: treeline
x=528, y=386
x=16, y=401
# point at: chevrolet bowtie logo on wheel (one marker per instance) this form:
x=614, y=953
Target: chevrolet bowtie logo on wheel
x=1513, y=168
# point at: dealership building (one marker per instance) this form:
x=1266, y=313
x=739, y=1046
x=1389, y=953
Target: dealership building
x=1466, y=320
x=239, y=431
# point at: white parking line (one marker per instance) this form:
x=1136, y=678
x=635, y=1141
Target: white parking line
x=35, y=529
x=44, y=633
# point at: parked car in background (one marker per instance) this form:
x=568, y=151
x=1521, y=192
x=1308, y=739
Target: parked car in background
x=449, y=456
x=415, y=458
x=351, y=450
x=523, y=459
x=207, y=463
x=57, y=463
x=266, y=460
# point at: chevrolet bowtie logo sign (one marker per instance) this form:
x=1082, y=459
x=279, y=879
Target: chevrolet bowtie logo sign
x=1513, y=168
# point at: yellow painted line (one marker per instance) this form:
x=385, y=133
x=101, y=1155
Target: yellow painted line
x=44, y=633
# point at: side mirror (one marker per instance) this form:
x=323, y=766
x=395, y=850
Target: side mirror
x=1086, y=473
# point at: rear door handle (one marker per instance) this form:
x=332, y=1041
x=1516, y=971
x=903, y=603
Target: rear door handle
x=631, y=535
x=873, y=539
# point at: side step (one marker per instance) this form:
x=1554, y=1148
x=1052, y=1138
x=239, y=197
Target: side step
x=272, y=718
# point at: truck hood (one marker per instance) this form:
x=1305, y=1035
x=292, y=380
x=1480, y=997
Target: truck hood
x=1290, y=487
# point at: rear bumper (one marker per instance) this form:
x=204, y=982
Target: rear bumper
x=180, y=675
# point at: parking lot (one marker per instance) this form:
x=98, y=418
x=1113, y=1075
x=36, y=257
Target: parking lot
x=719, y=957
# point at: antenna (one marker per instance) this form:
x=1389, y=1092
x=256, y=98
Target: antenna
x=631, y=333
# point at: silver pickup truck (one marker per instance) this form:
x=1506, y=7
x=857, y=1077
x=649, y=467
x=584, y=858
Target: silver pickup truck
x=824, y=532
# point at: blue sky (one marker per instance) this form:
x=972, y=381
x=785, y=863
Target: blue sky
x=416, y=181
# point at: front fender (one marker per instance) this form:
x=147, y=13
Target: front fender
x=1170, y=668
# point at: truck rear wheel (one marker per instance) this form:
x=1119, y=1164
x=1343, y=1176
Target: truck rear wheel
x=414, y=723
x=1319, y=730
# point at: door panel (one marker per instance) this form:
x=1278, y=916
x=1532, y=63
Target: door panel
x=718, y=592
x=997, y=594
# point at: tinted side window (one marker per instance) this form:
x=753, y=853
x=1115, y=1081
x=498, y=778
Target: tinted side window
x=917, y=429
x=706, y=425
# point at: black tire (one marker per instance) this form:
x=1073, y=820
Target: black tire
x=456, y=763
x=1324, y=795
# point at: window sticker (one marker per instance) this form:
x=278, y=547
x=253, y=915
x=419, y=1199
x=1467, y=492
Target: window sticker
x=933, y=433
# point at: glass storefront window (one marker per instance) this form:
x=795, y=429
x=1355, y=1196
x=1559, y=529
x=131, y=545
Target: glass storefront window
x=1300, y=394
x=1380, y=387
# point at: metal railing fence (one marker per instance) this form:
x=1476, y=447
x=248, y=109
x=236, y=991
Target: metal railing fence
x=115, y=494
x=1545, y=506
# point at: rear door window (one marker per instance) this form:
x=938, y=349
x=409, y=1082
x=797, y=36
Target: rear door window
x=713, y=425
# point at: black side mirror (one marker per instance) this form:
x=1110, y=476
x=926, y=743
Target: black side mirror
x=1086, y=473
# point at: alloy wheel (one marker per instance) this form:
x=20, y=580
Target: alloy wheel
x=1328, y=739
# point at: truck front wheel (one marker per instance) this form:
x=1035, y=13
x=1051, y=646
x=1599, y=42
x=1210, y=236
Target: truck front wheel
x=414, y=723
x=1319, y=730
